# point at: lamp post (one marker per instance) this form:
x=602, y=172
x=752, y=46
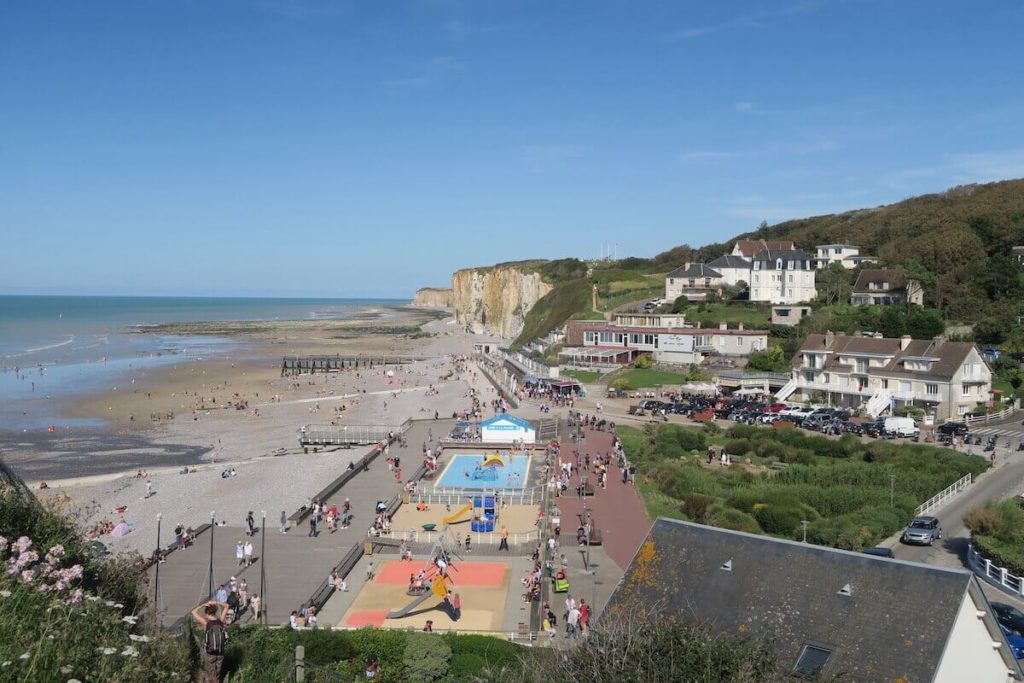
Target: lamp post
x=804, y=524
x=892, y=490
x=156, y=580
x=263, y=570
x=213, y=525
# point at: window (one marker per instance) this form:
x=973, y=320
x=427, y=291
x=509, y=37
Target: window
x=811, y=661
x=885, y=384
x=739, y=341
x=961, y=410
x=791, y=278
x=966, y=390
x=671, y=280
x=931, y=389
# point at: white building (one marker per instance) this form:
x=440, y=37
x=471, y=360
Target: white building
x=733, y=269
x=846, y=255
x=946, y=379
x=609, y=344
x=506, y=428
x=782, y=277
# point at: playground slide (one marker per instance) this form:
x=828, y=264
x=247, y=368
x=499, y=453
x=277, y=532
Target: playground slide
x=411, y=606
x=454, y=517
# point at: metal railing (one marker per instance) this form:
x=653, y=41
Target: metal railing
x=443, y=496
x=1006, y=412
x=947, y=493
x=994, y=574
x=479, y=537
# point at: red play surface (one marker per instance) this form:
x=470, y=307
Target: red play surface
x=373, y=618
x=488, y=574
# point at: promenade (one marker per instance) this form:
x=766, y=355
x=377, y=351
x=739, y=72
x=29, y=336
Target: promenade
x=295, y=564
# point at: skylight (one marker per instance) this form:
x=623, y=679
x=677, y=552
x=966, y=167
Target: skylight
x=811, y=661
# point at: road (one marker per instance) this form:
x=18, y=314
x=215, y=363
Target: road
x=1003, y=481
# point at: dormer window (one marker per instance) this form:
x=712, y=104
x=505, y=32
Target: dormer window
x=778, y=264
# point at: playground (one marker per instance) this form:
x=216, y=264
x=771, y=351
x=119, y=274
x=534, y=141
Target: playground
x=486, y=471
x=439, y=587
x=464, y=518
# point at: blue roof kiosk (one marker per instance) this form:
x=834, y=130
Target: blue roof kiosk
x=505, y=428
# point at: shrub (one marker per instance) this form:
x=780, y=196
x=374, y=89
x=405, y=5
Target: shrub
x=643, y=362
x=983, y=520
x=731, y=518
x=741, y=431
x=465, y=666
x=777, y=519
x=426, y=657
x=695, y=506
x=737, y=447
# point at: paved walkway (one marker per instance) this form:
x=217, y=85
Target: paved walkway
x=617, y=510
x=296, y=564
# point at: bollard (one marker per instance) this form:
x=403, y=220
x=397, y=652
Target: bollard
x=300, y=664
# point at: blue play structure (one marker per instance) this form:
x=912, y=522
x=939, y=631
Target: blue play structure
x=484, y=514
x=484, y=473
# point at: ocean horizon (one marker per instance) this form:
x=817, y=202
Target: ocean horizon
x=53, y=347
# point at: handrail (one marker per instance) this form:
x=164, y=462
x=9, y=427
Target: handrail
x=941, y=497
x=998, y=576
x=988, y=417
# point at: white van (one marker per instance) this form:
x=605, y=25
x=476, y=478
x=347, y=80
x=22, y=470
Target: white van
x=901, y=426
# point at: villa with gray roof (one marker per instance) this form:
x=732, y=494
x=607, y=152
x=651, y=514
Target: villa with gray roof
x=830, y=614
x=782, y=277
x=694, y=281
x=946, y=379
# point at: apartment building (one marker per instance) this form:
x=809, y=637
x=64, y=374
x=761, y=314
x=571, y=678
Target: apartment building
x=884, y=287
x=782, y=277
x=612, y=344
x=946, y=379
x=846, y=255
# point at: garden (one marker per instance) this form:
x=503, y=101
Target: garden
x=852, y=493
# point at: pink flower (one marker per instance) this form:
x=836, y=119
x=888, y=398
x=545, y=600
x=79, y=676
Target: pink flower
x=56, y=551
x=44, y=568
x=28, y=575
x=27, y=558
x=76, y=597
x=44, y=588
x=61, y=584
x=24, y=543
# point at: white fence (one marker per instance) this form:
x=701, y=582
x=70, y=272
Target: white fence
x=457, y=497
x=1005, y=412
x=999, y=576
x=419, y=536
x=940, y=498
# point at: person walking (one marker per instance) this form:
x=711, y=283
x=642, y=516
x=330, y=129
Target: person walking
x=250, y=524
x=503, y=544
x=211, y=617
x=312, y=524
x=239, y=552
x=149, y=488
x=248, y=553
x=572, y=621
x=256, y=604
x=369, y=571
x=284, y=522
x=584, y=615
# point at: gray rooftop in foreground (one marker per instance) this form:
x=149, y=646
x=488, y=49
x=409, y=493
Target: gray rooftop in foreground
x=895, y=621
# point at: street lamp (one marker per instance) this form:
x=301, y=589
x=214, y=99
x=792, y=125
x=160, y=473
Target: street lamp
x=156, y=580
x=263, y=569
x=892, y=489
x=213, y=525
x=804, y=524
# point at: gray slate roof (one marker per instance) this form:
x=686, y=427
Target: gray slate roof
x=730, y=261
x=769, y=256
x=695, y=270
x=895, y=623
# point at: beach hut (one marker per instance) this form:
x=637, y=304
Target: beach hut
x=505, y=428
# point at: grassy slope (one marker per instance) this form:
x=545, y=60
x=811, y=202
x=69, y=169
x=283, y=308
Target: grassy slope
x=648, y=379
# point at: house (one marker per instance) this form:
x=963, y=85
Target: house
x=1018, y=255
x=694, y=281
x=782, y=277
x=830, y=614
x=592, y=342
x=883, y=287
x=633, y=319
x=734, y=269
x=846, y=255
x=946, y=379
x=748, y=249
x=789, y=316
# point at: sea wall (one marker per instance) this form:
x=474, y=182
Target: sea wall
x=433, y=297
x=495, y=300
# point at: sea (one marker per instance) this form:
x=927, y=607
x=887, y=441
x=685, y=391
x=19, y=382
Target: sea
x=53, y=348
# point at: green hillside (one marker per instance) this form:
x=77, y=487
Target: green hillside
x=957, y=243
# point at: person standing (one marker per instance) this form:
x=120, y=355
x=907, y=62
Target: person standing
x=369, y=571
x=248, y=553
x=584, y=615
x=240, y=553
x=312, y=524
x=503, y=545
x=250, y=524
x=284, y=522
x=211, y=616
x=572, y=621
x=149, y=488
x=256, y=604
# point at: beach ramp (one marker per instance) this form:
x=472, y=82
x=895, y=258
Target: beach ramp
x=343, y=435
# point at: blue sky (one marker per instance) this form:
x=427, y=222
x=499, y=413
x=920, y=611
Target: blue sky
x=332, y=148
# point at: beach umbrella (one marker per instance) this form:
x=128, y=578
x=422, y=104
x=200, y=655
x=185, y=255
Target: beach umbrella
x=120, y=530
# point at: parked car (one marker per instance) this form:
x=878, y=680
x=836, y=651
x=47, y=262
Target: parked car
x=816, y=421
x=776, y=408
x=902, y=426
x=880, y=552
x=1011, y=622
x=953, y=428
x=922, y=531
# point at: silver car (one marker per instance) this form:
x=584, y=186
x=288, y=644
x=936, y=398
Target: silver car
x=922, y=531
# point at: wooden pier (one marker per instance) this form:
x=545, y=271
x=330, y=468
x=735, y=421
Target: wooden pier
x=298, y=365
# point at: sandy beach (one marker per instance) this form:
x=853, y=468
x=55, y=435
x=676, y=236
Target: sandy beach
x=93, y=472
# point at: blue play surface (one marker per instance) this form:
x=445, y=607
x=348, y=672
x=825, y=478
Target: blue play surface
x=465, y=471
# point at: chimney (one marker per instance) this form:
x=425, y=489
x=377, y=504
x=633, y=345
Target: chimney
x=686, y=266
x=905, y=342
x=829, y=338
x=740, y=328
x=723, y=326
x=698, y=324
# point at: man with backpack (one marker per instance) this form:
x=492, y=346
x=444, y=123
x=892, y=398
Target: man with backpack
x=212, y=616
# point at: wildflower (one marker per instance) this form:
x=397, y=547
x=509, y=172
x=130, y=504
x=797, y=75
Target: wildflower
x=66, y=669
x=56, y=551
x=76, y=597
x=74, y=680
x=23, y=543
x=24, y=655
x=138, y=639
x=5, y=594
x=28, y=575
x=109, y=650
x=130, y=620
x=7, y=663
x=118, y=605
x=130, y=651
x=26, y=558
x=44, y=588
x=3, y=544
x=92, y=598
x=108, y=603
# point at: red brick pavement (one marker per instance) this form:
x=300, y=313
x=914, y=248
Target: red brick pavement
x=616, y=510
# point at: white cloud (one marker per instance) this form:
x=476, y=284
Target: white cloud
x=963, y=167
x=743, y=106
x=430, y=74
x=748, y=21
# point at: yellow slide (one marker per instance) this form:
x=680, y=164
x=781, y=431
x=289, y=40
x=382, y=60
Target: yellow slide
x=454, y=517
